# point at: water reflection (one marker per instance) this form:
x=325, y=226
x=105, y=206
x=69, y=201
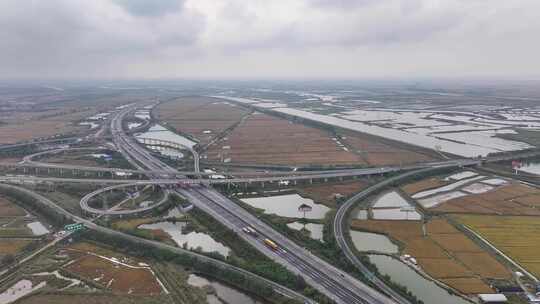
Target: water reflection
x=360, y=214
x=423, y=289
x=390, y=199
x=315, y=230
x=169, y=152
x=366, y=241
x=287, y=206
x=19, y=290
x=223, y=293
x=37, y=228
x=396, y=214
x=532, y=168
x=193, y=239
x=161, y=133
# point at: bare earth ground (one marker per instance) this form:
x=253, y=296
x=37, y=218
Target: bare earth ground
x=33, y=113
x=83, y=158
x=377, y=153
x=91, y=299
x=71, y=160
x=13, y=220
x=12, y=224
x=325, y=193
x=114, y=276
x=12, y=246
x=8, y=208
x=10, y=160
x=26, y=126
x=445, y=254
x=426, y=184
x=264, y=139
x=194, y=115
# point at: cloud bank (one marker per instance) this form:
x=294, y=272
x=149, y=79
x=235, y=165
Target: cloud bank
x=269, y=39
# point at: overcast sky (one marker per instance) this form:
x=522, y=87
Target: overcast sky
x=269, y=38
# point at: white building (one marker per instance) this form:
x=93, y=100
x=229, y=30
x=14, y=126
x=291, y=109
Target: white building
x=493, y=298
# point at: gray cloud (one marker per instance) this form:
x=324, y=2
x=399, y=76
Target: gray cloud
x=238, y=38
x=342, y=4
x=60, y=37
x=150, y=8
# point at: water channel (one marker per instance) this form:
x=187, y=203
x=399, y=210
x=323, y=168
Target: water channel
x=422, y=288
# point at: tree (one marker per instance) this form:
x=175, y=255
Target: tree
x=300, y=283
x=7, y=259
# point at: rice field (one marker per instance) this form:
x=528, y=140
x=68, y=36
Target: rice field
x=510, y=199
x=473, y=285
x=377, y=152
x=202, y=117
x=516, y=236
x=443, y=252
x=467, y=192
x=264, y=139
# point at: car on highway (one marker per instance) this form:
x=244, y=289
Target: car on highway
x=250, y=230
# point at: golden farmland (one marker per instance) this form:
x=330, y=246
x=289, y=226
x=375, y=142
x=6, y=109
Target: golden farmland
x=444, y=253
x=516, y=236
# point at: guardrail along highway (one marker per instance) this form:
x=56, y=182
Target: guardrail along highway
x=336, y=284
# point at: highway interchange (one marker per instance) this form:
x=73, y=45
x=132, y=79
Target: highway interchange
x=336, y=284
x=332, y=282
x=111, y=232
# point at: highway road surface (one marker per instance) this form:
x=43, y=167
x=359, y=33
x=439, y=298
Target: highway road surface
x=91, y=225
x=340, y=220
x=336, y=284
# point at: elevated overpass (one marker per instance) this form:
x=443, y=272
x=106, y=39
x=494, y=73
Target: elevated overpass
x=334, y=283
x=280, y=289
